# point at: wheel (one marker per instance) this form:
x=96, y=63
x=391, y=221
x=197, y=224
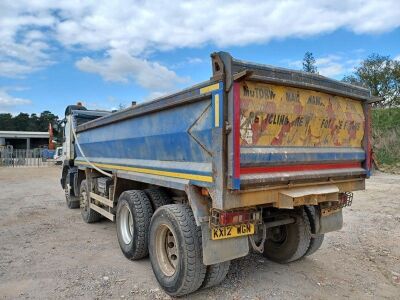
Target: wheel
x=316, y=239
x=215, y=274
x=88, y=215
x=158, y=197
x=315, y=243
x=289, y=242
x=133, y=220
x=72, y=201
x=176, y=250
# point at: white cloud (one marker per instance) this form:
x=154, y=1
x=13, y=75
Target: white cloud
x=24, y=47
x=120, y=66
x=29, y=29
x=8, y=102
x=334, y=65
x=397, y=57
x=195, y=60
x=188, y=61
x=159, y=25
x=330, y=66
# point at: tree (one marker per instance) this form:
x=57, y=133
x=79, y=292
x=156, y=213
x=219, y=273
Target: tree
x=34, y=123
x=381, y=75
x=21, y=122
x=6, y=122
x=309, y=63
x=47, y=117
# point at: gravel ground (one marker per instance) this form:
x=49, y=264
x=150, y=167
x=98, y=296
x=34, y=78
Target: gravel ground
x=47, y=252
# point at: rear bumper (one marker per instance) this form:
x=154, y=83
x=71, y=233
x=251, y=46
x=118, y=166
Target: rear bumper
x=271, y=194
x=276, y=177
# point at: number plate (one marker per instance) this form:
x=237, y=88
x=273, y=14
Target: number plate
x=226, y=232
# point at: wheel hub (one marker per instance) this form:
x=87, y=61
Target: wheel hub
x=126, y=224
x=66, y=190
x=82, y=201
x=166, y=250
x=279, y=234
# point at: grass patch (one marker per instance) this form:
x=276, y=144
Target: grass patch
x=386, y=135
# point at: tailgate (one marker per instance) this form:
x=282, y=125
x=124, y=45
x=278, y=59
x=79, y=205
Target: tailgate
x=285, y=133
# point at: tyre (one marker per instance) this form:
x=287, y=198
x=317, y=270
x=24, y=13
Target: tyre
x=315, y=243
x=72, y=201
x=176, y=250
x=289, y=242
x=316, y=239
x=158, y=197
x=215, y=274
x=133, y=220
x=88, y=215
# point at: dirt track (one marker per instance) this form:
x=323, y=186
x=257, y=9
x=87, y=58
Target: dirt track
x=46, y=251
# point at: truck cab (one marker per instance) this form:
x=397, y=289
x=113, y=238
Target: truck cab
x=74, y=115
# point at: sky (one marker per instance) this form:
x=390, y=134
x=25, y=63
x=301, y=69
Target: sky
x=109, y=53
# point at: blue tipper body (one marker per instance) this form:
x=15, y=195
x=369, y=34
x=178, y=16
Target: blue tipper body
x=194, y=137
x=172, y=139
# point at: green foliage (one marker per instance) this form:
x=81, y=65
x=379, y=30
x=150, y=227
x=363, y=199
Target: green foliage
x=385, y=119
x=381, y=75
x=386, y=135
x=309, y=63
x=6, y=122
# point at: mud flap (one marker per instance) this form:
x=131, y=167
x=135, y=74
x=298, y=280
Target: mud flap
x=222, y=250
x=214, y=251
x=328, y=223
x=72, y=178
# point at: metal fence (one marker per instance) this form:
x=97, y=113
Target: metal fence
x=10, y=157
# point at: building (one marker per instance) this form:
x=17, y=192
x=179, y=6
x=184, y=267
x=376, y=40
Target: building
x=24, y=139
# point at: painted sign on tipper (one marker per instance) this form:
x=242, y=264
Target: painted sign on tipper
x=272, y=115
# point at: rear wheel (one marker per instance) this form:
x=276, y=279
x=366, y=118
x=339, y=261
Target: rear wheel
x=158, y=197
x=216, y=274
x=176, y=250
x=289, y=242
x=72, y=201
x=133, y=220
x=88, y=215
x=315, y=244
x=316, y=239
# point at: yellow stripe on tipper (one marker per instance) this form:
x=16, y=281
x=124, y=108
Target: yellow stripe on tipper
x=216, y=110
x=209, y=88
x=196, y=177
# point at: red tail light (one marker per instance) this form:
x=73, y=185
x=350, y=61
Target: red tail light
x=231, y=218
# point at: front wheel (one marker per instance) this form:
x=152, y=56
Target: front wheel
x=176, y=250
x=72, y=201
x=289, y=242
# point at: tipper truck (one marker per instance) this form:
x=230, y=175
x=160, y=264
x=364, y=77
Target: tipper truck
x=257, y=157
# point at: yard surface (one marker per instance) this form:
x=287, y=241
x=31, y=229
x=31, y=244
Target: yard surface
x=48, y=252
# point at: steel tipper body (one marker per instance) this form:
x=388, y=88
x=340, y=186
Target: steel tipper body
x=257, y=152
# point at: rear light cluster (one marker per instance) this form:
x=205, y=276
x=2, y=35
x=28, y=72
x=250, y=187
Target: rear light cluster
x=224, y=218
x=229, y=218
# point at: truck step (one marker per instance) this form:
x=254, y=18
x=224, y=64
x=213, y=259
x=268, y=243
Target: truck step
x=102, y=211
x=101, y=199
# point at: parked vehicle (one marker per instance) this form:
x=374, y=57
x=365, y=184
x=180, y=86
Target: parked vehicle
x=257, y=156
x=59, y=156
x=47, y=153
